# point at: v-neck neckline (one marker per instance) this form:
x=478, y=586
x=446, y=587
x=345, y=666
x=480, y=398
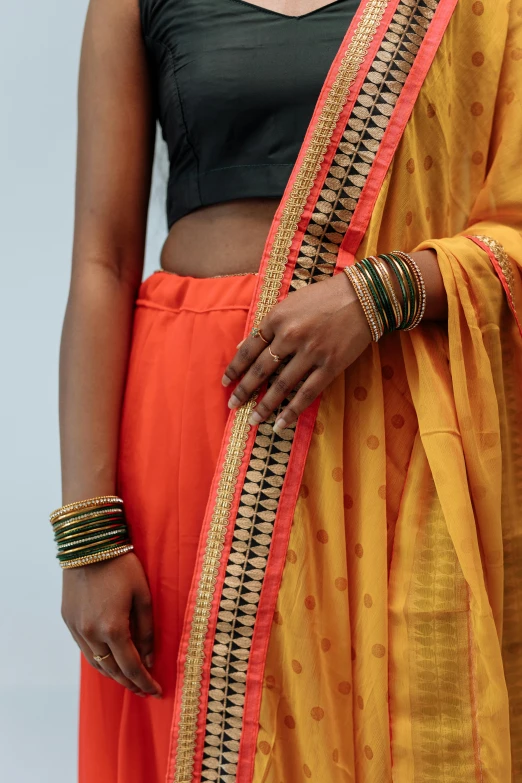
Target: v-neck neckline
x=286, y=16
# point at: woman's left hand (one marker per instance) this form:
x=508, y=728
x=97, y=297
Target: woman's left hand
x=322, y=327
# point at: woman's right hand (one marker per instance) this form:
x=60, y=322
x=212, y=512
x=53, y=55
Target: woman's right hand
x=107, y=608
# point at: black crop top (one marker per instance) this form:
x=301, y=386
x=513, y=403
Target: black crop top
x=235, y=88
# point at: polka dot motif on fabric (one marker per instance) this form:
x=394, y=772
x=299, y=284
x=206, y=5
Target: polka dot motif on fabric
x=382, y=492
x=337, y=474
x=516, y=54
x=322, y=536
x=372, y=442
x=344, y=688
x=291, y=556
x=368, y=752
x=325, y=644
x=477, y=158
x=296, y=666
x=360, y=702
x=360, y=393
x=379, y=650
x=409, y=218
x=477, y=59
x=270, y=681
x=428, y=162
x=317, y=713
x=307, y=771
x=368, y=601
x=410, y=166
x=304, y=491
x=397, y=421
x=318, y=427
x=289, y=722
x=348, y=502
x=278, y=620
x=310, y=602
x=478, y=8
x=387, y=372
x=359, y=551
x=430, y=110
x=477, y=109
x=510, y=96
x=488, y=440
x=335, y=755
x=341, y=583
x=264, y=747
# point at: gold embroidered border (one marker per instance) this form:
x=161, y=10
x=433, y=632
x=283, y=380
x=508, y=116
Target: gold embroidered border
x=291, y=215
x=503, y=261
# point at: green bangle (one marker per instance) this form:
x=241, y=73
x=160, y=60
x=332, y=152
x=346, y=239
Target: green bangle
x=385, y=299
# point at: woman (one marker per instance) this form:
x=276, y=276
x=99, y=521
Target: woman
x=324, y=580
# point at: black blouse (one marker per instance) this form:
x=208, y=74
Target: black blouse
x=235, y=88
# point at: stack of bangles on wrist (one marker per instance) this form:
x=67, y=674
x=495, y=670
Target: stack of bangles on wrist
x=90, y=531
x=373, y=285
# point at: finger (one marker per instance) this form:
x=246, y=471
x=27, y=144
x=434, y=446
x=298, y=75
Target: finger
x=290, y=376
x=264, y=366
x=309, y=391
x=87, y=652
x=247, y=352
x=127, y=658
x=143, y=627
x=108, y=666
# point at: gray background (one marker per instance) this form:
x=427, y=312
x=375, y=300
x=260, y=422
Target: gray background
x=39, y=663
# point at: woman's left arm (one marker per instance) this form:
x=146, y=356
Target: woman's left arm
x=323, y=329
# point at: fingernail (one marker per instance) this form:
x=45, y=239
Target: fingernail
x=240, y=344
x=280, y=425
x=225, y=380
x=149, y=661
x=234, y=402
x=255, y=418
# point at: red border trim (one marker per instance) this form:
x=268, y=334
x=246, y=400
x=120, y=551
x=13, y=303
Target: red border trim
x=500, y=275
x=394, y=131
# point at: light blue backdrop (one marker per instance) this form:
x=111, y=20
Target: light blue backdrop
x=39, y=52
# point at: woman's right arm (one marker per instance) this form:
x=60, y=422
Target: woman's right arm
x=104, y=601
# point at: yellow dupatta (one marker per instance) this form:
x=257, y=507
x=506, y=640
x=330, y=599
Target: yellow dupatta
x=387, y=646
x=396, y=647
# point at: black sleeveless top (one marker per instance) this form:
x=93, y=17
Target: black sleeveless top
x=235, y=88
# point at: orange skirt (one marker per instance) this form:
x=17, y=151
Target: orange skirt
x=185, y=333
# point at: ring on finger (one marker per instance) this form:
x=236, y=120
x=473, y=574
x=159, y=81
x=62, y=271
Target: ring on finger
x=100, y=658
x=274, y=356
x=258, y=333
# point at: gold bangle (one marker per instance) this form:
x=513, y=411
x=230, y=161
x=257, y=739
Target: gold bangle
x=370, y=312
x=421, y=288
x=368, y=304
x=108, y=555
x=91, y=502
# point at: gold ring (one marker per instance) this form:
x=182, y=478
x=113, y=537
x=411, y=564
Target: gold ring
x=99, y=658
x=258, y=333
x=274, y=356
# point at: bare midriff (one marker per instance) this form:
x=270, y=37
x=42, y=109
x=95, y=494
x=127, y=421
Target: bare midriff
x=222, y=239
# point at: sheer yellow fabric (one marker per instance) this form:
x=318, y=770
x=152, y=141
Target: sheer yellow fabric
x=396, y=647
